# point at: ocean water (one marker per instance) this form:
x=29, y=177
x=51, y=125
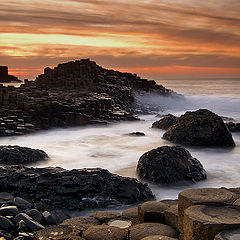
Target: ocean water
x=110, y=147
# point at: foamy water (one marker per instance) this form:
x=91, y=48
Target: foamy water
x=110, y=147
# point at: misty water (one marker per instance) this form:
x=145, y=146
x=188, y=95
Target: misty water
x=110, y=147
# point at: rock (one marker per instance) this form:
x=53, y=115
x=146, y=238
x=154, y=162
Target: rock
x=6, y=235
x=22, y=226
x=5, y=224
x=72, y=189
x=31, y=224
x=104, y=216
x=200, y=128
x=231, y=234
x=56, y=233
x=131, y=213
x=5, y=197
x=137, y=134
x=233, y=127
x=25, y=236
x=166, y=122
x=49, y=218
x=20, y=155
x=151, y=212
x=171, y=216
x=158, y=237
x=9, y=211
x=205, y=222
x=80, y=224
x=169, y=164
x=35, y=214
x=22, y=203
x=203, y=196
x=142, y=230
x=105, y=232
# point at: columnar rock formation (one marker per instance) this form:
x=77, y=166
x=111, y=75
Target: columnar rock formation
x=5, y=77
x=71, y=94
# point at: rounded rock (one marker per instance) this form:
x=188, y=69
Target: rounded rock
x=158, y=237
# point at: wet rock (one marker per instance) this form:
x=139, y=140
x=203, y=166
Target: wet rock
x=5, y=197
x=200, y=128
x=131, y=213
x=5, y=224
x=104, y=216
x=31, y=224
x=159, y=237
x=171, y=216
x=142, y=230
x=166, y=122
x=35, y=214
x=6, y=235
x=20, y=155
x=137, y=134
x=9, y=211
x=72, y=189
x=22, y=203
x=170, y=164
x=231, y=234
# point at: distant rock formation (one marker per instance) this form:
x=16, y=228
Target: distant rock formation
x=5, y=77
x=72, y=94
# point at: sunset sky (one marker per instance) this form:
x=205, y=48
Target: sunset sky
x=159, y=39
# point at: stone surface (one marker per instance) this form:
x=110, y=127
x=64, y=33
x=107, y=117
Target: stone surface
x=22, y=203
x=31, y=224
x=105, y=216
x=233, y=126
x=105, y=232
x=158, y=237
x=72, y=189
x=200, y=128
x=20, y=155
x=80, y=224
x=130, y=213
x=166, y=122
x=9, y=211
x=171, y=216
x=203, y=196
x=151, y=212
x=231, y=234
x=203, y=222
x=5, y=224
x=169, y=164
x=142, y=230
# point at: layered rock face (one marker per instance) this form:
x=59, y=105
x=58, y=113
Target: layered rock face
x=170, y=164
x=200, y=128
x=71, y=94
x=57, y=188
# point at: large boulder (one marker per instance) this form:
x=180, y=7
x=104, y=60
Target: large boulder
x=233, y=126
x=200, y=128
x=20, y=155
x=169, y=164
x=75, y=189
x=166, y=122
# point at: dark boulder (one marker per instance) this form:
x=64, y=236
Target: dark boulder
x=169, y=164
x=200, y=128
x=166, y=122
x=233, y=127
x=72, y=189
x=137, y=134
x=20, y=155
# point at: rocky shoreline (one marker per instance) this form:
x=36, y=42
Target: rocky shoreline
x=72, y=94
x=197, y=214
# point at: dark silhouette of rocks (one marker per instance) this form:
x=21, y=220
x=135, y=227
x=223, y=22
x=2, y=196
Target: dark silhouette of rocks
x=12, y=155
x=233, y=126
x=166, y=122
x=72, y=94
x=200, y=128
x=5, y=77
x=170, y=164
x=57, y=188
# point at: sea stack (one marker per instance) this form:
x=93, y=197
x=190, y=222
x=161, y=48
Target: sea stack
x=5, y=77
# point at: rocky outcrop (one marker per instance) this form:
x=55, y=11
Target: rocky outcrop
x=233, y=126
x=75, y=189
x=15, y=155
x=72, y=94
x=166, y=122
x=5, y=77
x=169, y=164
x=200, y=128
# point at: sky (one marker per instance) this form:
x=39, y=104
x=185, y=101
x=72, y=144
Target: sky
x=159, y=39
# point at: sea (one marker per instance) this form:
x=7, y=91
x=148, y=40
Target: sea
x=111, y=147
